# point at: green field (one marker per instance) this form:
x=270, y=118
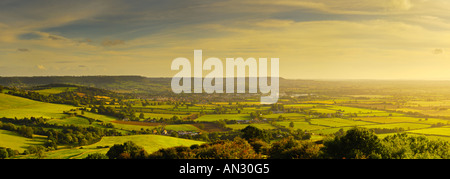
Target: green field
x=130, y=127
x=338, y=122
x=346, y=109
x=300, y=105
x=55, y=90
x=321, y=115
x=324, y=110
x=13, y=106
x=182, y=127
x=216, y=117
x=159, y=115
x=301, y=125
x=150, y=143
x=406, y=126
x=100, y=117
x=327, y=131
x=438, y=131
x=70, y=120
x=285, y=115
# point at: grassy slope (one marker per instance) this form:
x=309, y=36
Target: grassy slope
x=150, y=143
x=55, y=90
x=9, y=139
x=216, y=117
x=13, y=106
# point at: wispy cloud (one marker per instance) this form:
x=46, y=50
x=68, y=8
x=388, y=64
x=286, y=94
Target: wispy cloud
x=312, y=38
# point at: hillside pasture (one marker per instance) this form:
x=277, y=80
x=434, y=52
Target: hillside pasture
x=406, y=126
x=285, y=115
x=150, y=143
x=9, y=139
x=70, y=120
x=55, y=90
x=403, y=120
x=13, y=106
x=216, y=117
x=338, y=122
x=301, y=125
x=438, y=131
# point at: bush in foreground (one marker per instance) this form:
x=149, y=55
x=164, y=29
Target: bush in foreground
x=236, y=149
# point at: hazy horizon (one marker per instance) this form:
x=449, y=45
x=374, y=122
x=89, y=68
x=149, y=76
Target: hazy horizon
x=314, y=39
x=316, y=79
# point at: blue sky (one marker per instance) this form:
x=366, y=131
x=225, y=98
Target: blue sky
x=314, y=39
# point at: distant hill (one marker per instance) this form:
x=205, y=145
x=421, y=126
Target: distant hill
x=137, y=84
x=157, y=86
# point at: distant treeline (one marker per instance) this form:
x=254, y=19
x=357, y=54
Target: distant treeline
x=130, y=84
x=162, y=86
x=80, y=96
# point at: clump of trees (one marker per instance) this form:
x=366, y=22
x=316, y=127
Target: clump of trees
x=128, y=150
x=22, y=130
x=7, y=152
x=124, y=112
x=71, y=97
x=56, y=134
x=360, y=143
x=251, y=132
x=235, y=149
x=289, y=148
x=356, y=143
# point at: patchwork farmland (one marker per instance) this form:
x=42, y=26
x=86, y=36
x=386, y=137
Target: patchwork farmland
x=90, y=121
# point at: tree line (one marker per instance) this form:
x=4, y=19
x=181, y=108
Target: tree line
x=356, y=143
x=79, y=96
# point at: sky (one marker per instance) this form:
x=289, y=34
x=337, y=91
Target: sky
x=313, y=39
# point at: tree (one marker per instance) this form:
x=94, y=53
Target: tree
x=11, y=152
x=356, y=143
x=51, y=144
x=259, y=146
x=236, y=149
x=251, y=132
x=141, y=116
x=38, y=151
x=126, y=150
x=339, y=133
x=402, y=146
x=83, y=142
x=291, y=125
x=26, y=131
x=180, y=152
x=3, y=153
